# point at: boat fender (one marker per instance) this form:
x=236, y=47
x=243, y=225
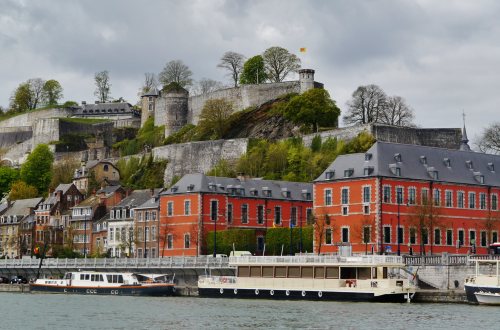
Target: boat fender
x=303, y=293
x=271, y=292
x=235, y=291
x=287, y=292
x=320, y=294
x=221, y=290
x=256, y=292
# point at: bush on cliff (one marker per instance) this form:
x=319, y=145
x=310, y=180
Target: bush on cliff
x=149, y=136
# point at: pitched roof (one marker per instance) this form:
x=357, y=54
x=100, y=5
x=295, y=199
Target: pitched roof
x=22, y=206
x=135, y=198
x=90, y=201
x=417, y=162
x=108, y=190
x=151, y=203
x=208, y=184
x=64, y=187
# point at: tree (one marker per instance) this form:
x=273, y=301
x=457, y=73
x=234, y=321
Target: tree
x=20, y=100
x=490, y=139
x=150, y=83
x=233, y=62
x=312, y=108
x=396, y=112
x=205, y=86
x=279, y=62
x=52, y=92
x=426, y=219
x=366, y=105
x=103, y=86
x=214, y=118
x=320, y=224
x=63, y=172
x=253, y=71
x=176, y=71
x=36, y=86
x=8, y=175
x=37, y=170
x=22, y=190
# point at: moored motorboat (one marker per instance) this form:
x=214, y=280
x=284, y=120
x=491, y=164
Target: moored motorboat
x=487, y=298
x=487, y=282
x=104, y=283
x=361, y=278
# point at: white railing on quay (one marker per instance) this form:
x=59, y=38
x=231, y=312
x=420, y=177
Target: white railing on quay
x=162, y=262
x=315, y=259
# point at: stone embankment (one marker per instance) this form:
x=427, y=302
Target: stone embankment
x=21, y=288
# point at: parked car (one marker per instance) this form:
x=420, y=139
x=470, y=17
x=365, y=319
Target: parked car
x=4, y=280
x=18, y=280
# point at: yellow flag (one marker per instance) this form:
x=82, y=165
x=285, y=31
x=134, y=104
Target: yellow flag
x=303, y=50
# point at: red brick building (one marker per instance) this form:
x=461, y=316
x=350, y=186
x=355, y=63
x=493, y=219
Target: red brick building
x=443, y=200
x=198, y=205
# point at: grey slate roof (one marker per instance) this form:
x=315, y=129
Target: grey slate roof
x=153, y=92
x=22, y=206
x=208, y=184
x=151, y=203
x=136, y=198
x=108, y=190
x=418, y=163
x=64, y=187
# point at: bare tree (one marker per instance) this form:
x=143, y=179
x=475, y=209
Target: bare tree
x=426, y=218
x=320, y=224
x=279, y=62
x=366, y=105
x=490, y=139
x=396, y=112
x=233, y=62
x=214, y=118
x=37, y=91
x=150, y=82
x=103, y=86
x=176, y=71
x=205, y=86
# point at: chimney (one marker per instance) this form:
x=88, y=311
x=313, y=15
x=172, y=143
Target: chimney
x=240, y=176
x=84, y=102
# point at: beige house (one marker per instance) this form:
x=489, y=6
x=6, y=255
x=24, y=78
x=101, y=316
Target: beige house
x=102, y=170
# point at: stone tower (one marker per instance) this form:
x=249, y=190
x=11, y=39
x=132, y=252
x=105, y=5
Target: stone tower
x=148, y=105
x=175, y=107
x=306, y=79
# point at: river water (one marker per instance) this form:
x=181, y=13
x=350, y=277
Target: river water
x=50, y=311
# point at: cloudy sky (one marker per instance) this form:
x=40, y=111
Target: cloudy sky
x=443, y=57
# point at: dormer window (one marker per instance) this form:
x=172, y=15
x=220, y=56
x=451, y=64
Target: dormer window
x=254, y=192
x=190, y=187
x=395, y=169
x=368, y=170
x=329, y=175
x=348, y=173
x=286, y=193
x=423, y=160
x=433, y=173
x=211, y=186
x=491, y=167
x=266, y=192
x=447, y=162
x=368, y=156
x=479, y=177
x=397, y=157
x=174, y=188
x=306, y=195
x=468, y=164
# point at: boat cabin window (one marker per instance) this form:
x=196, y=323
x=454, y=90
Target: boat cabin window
x=267, y=271
x=243, y=271
x=307, y=272
x=280, y=271
x=255, y=271
x=348, y=272
x=332, y=272
x=319, y=272
x=364, y=273
x=84, y=277
x=67, y=276
x=294, y=271
x=495, y=248
x=115, y=278
x=96, y=278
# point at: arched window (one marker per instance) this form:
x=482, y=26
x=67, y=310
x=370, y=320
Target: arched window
x=106, y=168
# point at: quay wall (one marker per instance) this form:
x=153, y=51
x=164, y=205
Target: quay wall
x=29, y=118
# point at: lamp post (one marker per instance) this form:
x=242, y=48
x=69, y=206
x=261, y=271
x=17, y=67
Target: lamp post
x=85, y=236
x=291, y=238
x=397, y=230
x=144, y=237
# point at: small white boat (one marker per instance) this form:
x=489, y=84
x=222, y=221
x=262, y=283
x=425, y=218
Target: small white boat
x=485, y=280
x=487, y=298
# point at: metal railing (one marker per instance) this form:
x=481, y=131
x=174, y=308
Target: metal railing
x=447, y=259
x=106, y=263
x=314, y=259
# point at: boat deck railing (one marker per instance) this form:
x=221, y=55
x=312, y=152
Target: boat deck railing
x=315, y=259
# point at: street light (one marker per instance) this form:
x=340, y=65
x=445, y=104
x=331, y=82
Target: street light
x=399, y=198
x=85, y=235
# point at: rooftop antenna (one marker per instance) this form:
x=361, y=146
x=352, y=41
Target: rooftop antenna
x=464, y=146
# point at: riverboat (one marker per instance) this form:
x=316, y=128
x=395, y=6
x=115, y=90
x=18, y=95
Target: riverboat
x=105, y=283
x=488, y=281
x=487, y=298
x=355, y=278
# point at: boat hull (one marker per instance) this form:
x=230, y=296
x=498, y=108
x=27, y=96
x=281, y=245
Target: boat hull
x=149, y=290
x=302, y=295
x=488, y=298
x=471, y=289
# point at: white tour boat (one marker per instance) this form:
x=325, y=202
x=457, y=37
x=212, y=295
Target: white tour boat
x=487, y=282
x=357, y=278
x=105, y=283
